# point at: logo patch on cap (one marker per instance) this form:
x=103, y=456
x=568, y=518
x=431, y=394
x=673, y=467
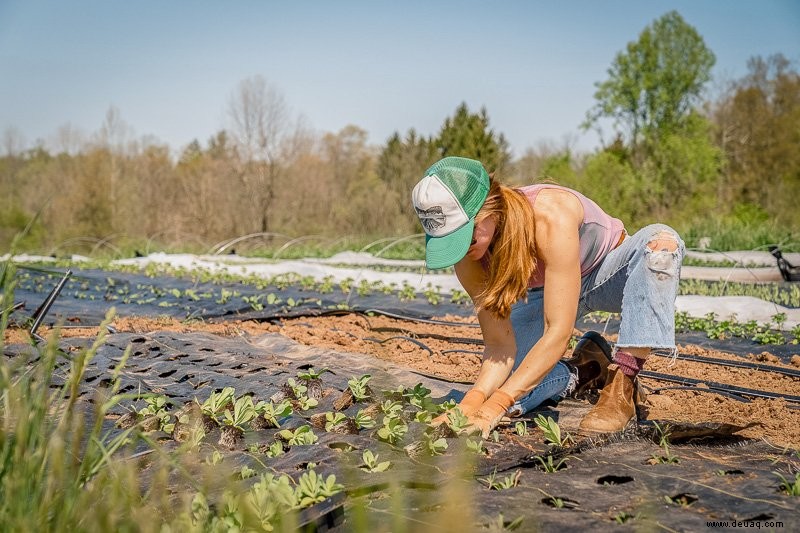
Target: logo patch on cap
x=431, y=219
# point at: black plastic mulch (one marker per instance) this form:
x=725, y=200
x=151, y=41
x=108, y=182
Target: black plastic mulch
x=606, y=480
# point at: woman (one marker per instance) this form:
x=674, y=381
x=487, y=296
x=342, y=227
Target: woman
x=533, y=260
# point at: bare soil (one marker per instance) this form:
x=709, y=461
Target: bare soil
x=416, y=346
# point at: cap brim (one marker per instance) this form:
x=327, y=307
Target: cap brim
x=446, y=251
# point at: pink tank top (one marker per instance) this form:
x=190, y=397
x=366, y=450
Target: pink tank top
x=599, y=233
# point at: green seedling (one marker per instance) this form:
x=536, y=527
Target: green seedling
x=432, y=294
x=364, y=420
x=246, y=472
x=393, y=430
x=333, y=419
x=273, y=299
x=417, y=395
x=311, y=373
x=552, y=431
x=155, y=407
x=548, y=465
x=495, y=436
x=305, y=403
x=508, y=482
x=312, y=488
x=301, y=436
x=423, y=417
x=275, y=449
x=273, y=412
x=499, y=524
x=243, y=412
x=299, y=389
x=407, y=293
x=456, y=419
x=446, y=406
x=459, y=297
x=371, y=463
x=475, y=446
x=521, y=428
x=254, y=301
x=391, y=408
x=215, y=458
x=358, y=386
x=435, y=446
x=623, y=517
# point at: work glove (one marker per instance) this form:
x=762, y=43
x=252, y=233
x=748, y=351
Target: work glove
x=469, y=404
x=493, y=409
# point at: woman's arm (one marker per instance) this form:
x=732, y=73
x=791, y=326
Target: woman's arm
x=498, y=336
x=558, y=218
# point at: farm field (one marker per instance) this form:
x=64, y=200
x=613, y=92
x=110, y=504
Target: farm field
x=264, y=388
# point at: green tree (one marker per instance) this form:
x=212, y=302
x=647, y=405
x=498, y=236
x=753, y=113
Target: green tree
x=401, y=163
x=757, y=128
x=468, y=134
x=654, y=83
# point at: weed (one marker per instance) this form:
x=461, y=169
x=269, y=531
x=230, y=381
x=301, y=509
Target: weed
x=623, y=517
x=548, y=466
x=663, y=442
x=501, y=484
x=789, y=487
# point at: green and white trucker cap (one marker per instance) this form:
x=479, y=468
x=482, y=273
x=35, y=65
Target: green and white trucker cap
x=447, y=200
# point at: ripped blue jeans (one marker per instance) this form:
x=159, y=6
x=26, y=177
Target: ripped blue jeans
x=634, y=280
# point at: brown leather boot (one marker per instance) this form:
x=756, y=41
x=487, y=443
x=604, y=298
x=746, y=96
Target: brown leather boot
x=615, y=407
x=590, y=359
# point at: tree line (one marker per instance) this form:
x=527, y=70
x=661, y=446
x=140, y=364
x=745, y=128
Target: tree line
x=727, y=167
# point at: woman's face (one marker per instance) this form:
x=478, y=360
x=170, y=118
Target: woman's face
x=481, y=238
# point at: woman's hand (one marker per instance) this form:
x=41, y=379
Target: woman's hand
x=491, y=412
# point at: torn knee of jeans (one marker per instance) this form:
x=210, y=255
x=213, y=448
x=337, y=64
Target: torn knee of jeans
x=663, y=241
x=662, y=257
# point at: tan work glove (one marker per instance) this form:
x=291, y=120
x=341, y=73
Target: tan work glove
x=488, y=416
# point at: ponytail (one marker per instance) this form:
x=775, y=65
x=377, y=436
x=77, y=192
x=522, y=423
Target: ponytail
x=512, y=254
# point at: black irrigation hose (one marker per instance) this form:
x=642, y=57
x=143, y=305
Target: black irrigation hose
x=742, y=391
x=738, y=364
x=696, y=358
x=422, y=320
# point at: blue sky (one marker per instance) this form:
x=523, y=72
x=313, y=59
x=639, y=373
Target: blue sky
x=170, y=67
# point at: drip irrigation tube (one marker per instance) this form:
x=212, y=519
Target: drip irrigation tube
x=738, y=364
x=742, y=391
x=685, y=357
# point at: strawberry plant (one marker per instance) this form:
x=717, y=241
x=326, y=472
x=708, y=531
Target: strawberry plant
x=552, y=431
x=507, y=482
x=218, y=401
x=312, y=488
